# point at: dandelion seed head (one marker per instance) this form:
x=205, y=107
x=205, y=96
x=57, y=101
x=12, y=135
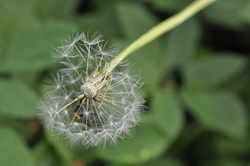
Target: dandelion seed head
x=86, y=103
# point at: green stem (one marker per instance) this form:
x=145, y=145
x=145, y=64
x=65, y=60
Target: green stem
x=160, y=29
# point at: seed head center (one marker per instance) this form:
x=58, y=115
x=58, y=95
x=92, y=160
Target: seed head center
x=89, y=90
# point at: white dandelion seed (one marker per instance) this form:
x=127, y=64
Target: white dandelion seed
x=86, y=102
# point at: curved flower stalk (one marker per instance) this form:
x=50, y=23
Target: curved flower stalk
x=86, y=102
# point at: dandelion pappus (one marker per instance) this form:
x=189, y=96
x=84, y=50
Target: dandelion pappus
x=88, y=101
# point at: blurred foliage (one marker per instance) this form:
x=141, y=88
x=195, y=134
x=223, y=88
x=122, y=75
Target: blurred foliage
x=196, y=81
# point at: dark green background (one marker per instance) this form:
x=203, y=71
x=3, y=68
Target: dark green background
x=196, y=81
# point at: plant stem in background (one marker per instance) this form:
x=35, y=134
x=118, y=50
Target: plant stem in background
x=160, y=29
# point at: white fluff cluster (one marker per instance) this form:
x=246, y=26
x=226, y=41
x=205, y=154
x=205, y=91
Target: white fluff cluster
x=84, y=102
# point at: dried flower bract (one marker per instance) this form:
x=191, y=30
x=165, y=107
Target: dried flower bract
x=86, y=102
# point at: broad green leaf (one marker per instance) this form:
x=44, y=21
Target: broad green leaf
x=135, y=20
x=16, y=100
x=65, y=152
x=229, y=161
x=141, y=65
x=48, y=8
x=171, y=6
x=245, y=12
x=13, y=151
x=44, y=155
x=167, y=114
x=100, y=22
x=219, y=111
x=228, y=146
x=214, y=71
x=21, y=127
x=146, y=144
x=150, y=71
x=182, y=44
x=31, y=79
x=168, y=161
x=14, y=14
x=2, y=46
x=31, y=49
x=226, y=13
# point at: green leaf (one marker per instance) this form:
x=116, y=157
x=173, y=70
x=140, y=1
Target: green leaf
x=35, y=45
x=169, y=161
x=226, y=13
x=225, y=146
x=135, y=20
x=214, y=71
x=151, y=72
x=141, y=65
x=14, y=14
x=147, y=143
x=13, y=151
x=48, y=8
x=43, y=155
x=16, y=100
x=65, y=152
x=100, y=22
x=171, y=6
x=167, y=114
x=219, y=111
x=229, y=161
x=2, y=46
x=245, y=12
x=182, y=44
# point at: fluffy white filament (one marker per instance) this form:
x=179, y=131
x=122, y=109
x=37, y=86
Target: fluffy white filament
x=112, y=104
